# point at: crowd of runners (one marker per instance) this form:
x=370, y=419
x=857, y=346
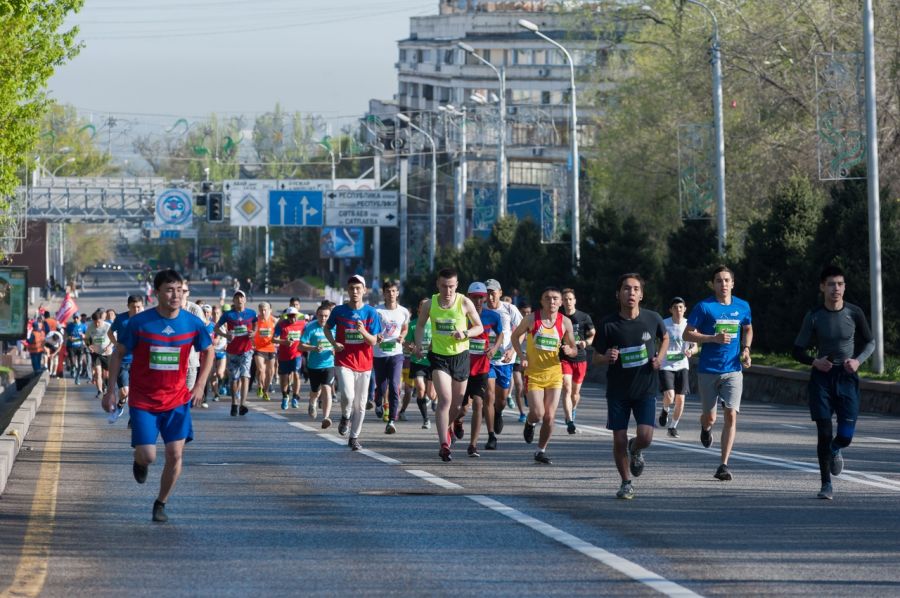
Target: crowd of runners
x=463, y=359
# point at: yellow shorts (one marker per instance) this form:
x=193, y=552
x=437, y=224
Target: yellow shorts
x=405, y=377
x=544, y=379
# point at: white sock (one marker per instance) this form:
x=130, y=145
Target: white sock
x=674, y=423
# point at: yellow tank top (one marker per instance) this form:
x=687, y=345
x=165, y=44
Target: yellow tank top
x=444, y=322
x=542, y=344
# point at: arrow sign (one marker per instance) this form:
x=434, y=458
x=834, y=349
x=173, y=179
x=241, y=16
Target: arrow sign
x=361, y=208
x=295, y=208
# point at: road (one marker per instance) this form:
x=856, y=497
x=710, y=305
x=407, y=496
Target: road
x=271, y=504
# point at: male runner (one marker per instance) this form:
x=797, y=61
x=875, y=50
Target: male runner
x=674, y=379
x=288, y=334
x=626, y=342
x=75, y=346
x=159, y=400
x=518, y=388
x=389, y=352
x=724, y=323
x=100, y=347
x=546, y=331
x=501, y=362
x=451, y=315
x=574, y=368
x=135, y=306
x=420, y=368
x=238, y=325
x=843, y=341
x=358, y=326
x=264, y=351
x=320, y=363
x=194, y=358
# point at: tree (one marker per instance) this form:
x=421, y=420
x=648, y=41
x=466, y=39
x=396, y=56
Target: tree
x=66, y=145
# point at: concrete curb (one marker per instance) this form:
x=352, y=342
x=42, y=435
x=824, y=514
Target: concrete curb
x=14, y=435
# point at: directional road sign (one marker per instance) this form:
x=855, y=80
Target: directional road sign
x=361, y=208
x=295, y=208
x=249, y=200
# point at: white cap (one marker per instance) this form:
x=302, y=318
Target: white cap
x=357, y=278
x=291, y=311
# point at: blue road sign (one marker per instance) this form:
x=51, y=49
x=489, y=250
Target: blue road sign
x=296, y=208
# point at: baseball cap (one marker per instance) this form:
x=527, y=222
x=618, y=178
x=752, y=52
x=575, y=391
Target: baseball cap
x=493, y=284
x=291, y=311
x=357, y=278
x=206, y=307
x=239, y=292
x=675, y=300
x=477, y=288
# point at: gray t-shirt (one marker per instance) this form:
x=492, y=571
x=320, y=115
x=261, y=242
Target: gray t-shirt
x=838, y=335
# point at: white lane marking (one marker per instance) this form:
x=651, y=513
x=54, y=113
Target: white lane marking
x=428, y=477
x=793, y=426
x=380, y=457
x=274, y=415
x=303, y=427
x=613, y=561
x=876, y=439
x=334, y=439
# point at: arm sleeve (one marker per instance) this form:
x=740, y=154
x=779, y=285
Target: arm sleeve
x=600, y=339
x=803, y=340
x=801, y=355
x=863, y=334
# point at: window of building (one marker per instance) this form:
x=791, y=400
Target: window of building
x=449, y=56
x=537, y=174
x=426, y=56
x=402, y=55
x=540, y=57
x=445, y=94
x=413, y=90
x=428, y=92
x=523, y=57
x=403, y=88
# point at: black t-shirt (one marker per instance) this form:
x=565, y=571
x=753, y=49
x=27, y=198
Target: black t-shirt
x=582, y=325
x=632, y=375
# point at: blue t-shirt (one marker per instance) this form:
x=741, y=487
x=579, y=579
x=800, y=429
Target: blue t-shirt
x=75, y=329
x=711, y=317
x=118, y=325
x=314, y=335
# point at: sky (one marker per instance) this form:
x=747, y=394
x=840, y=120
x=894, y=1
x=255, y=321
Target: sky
x=191, y=58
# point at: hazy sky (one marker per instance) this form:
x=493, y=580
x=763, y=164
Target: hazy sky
x=190, y=58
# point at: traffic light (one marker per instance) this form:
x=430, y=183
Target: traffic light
x=215, y=211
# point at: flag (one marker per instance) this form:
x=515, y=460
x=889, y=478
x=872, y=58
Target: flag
x=66, y=309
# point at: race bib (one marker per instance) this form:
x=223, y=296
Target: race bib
x=353, y=337
x=100, y=339
x=265, y=332
x=672, y=357
x=444, y=326
x=240, y=331
x=164, y=358
x=729, y=326
x=633, y=357
x=294, y=335
x=324, y=345
x=477, y=346
x=546, y=342
x=388, y=346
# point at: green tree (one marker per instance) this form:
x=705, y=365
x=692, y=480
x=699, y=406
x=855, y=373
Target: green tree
x=66, y=145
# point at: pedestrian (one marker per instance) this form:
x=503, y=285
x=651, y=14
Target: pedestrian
x=674, y=378
x=843, y=340
x=574, y=368
x=288, y=333
x=500, y=375
x=75, y=347
x=123, y=381
x=723, y=323
x=159, y=400
x=35, y=342
x=264, y=351
x=388, y=354
x=420, y=368
x=320, y=364
x=238, y=325
x=101, y=347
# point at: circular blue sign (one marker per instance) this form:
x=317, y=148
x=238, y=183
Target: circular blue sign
x=173, y=207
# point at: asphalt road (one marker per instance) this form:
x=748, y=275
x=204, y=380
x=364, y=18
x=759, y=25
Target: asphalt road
x=271, y=504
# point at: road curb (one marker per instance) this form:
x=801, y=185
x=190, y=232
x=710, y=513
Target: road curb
x=14, y=435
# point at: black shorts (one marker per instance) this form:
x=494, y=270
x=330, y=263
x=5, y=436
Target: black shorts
x=455, y=365
x=834, y=392
x=477, y=386
x=318, y=378
x=678, y=381
x=419, y=370
x=517, y=367
x=101, y=360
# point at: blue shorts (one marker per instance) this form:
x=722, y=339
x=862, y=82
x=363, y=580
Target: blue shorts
x=834, y=392
x=124, y=375
x=173, y=425
x=239, y=365
x=502, y=373
x=618, y=412
x=289, y=366
x=220, y=354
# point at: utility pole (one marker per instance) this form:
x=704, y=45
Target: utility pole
x=404, y=225
x=376, y=231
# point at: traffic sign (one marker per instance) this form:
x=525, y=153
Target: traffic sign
x=361, y=208
x=173, y=208
x=248, y=199
x=295, y=208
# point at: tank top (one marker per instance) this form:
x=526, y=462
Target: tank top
x=542, y=344
x=265, y=332
x=444, y=323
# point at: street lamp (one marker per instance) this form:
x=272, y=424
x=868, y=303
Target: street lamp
x=57, y=169
x=432, y=237
x=501, y=143
x=459, y=228
x=716, y=62
x=573, y=137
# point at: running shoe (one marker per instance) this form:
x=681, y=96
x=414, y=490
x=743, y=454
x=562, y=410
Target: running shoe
x=541, y=457
x=234, y=411
x=491, y=443
x=326, y=423
x=636, y=459
x=370, y=405
x=723, y=473
x=472, y=451
x=510, y=403
x=426, y=424
x=673, y=433
x=458, y=430
x=836, y=463
x=433, y=406
x=266, y=396
x=259, y=392
x=354, y=444
x=284, y=404
x=159, y=512
x=204, y=404
x=215, y=398
x=402, y=416
x=116, y=414
x=379, y=411
x=140, y=472
x=295, y=402
x=311, y=410
x=705, y=438
x=444, y=453
x=343, y=425
x=498, y=422
x=826, y=492
x=626, y=491
x=522, y=418
x=570, y=427
x=528, y=432
x=390, y=428
x=663, y=418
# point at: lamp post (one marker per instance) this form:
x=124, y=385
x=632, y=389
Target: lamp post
x=715, y=59
x=501, y=142
x=432, y=236
x=459, y=221
x=573, y=138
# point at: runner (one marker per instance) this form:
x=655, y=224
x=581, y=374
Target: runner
x=238, y=325
x=574, y=368
x=545, y=331
x=502, y=362
x=357, y=326
x=194, y=358
x=264, y=351
x=100, y=347
x=211, y=330
x=481, y=348
x=288, y=333
x=420, y=368
x=53, y=344
x=75, y=347
x=320, y=363
x=159, y=340
x=674, y=379
x=843, y=341
x=449, y=354
x=218, y=383
x=724, y=323
x=135, y=306
x=389, y=353
x=35, y=343
x=518, y=391
x=626, y=343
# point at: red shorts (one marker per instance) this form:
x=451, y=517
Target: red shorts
x=577, y=370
